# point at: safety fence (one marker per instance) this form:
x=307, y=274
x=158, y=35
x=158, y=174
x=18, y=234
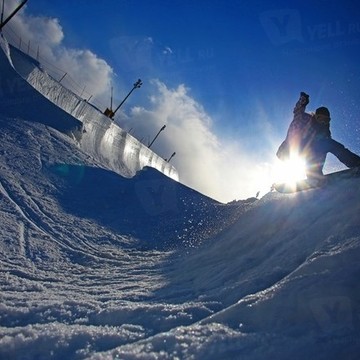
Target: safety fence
x=34, y=50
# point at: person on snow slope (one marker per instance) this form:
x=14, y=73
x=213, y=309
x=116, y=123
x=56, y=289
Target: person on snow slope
x=309, y=137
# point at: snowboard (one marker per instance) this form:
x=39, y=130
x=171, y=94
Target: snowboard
x=308, y=184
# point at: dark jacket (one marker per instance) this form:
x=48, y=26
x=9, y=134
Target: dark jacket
x=303, y=132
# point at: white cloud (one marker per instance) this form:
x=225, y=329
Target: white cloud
x=46, y=35
x=216, y=167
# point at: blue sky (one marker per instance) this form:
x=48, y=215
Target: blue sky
x=234, y=69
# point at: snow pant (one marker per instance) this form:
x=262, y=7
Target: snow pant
x=316, y=158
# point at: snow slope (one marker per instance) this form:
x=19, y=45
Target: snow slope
x=95, y=265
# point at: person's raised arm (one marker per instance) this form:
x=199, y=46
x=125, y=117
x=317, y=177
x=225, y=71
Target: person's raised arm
x=300, y=106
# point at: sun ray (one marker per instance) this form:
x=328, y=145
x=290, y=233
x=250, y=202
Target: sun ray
x=289, y=171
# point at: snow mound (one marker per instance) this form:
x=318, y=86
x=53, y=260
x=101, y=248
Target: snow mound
x=95, y=265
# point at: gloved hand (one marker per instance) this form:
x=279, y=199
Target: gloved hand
x=304, y=98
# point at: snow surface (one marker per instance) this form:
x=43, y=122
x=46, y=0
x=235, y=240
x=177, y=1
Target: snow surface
x=94, y=265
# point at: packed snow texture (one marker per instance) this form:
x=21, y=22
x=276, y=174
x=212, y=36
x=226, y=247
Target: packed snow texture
x=95, y=265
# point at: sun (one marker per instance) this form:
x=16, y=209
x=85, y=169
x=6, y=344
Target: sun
x=277, y=171
x=264, y=175
x=289, y=171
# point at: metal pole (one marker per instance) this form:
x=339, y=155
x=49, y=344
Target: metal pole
x=2, y=12
x=3, y=23
x=157, y=135
x=109, y=112
x=62, y=77
x=173, y=154
x=136, y=86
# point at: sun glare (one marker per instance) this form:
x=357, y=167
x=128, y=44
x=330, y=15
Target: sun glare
x=289, y=171
x=267, y=174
